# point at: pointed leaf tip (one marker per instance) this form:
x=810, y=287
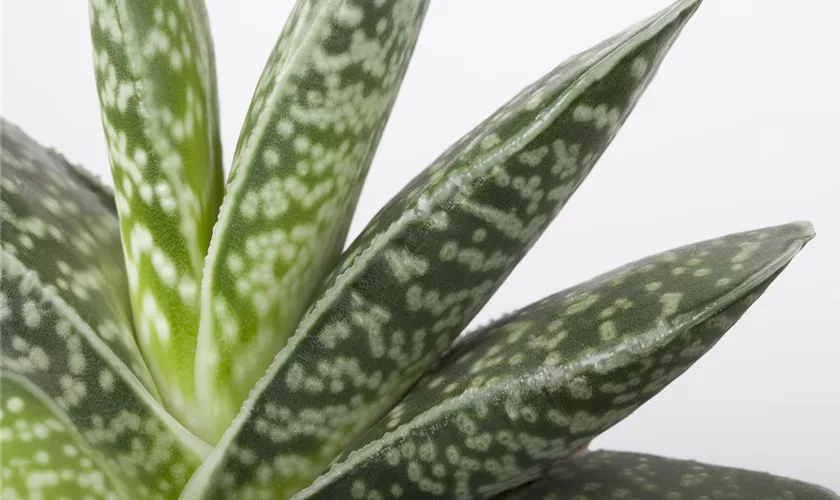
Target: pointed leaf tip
x=428, y=262
x=806, y=228
x=539, y=384
x=316, y=118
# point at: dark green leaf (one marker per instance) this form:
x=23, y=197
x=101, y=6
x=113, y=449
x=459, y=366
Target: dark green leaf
x=65, y=317
x=60, y=230
x=427, y=263
x=304, y=151
x=610, y=475
x=533, y=387
x=43, y=456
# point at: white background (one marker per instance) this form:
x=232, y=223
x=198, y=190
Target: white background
x=740, y=130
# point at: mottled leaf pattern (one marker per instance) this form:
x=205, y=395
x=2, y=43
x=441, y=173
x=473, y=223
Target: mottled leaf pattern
x=610, y=475
x=511, y=398
x=121, y=358
x=42, y=456
x=304, y=151
x=56, y=222
x=156, y=79
x=427, y=263
x=65, y=317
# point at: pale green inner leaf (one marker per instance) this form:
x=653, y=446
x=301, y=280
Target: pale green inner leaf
x=155, y=75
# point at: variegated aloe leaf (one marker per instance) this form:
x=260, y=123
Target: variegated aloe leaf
x=156, y=79
x=533, y=387
x=607, y=475
x=65, y=319
x=315, y=121
x=427, y=263
x=43, y=456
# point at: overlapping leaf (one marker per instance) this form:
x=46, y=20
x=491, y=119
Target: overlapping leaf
x=427, y=263
x=42, y=455
x=304, y=151
x=65, y=317
x=60, y=234
x=607, y=475
x=156, y=79
x=511, y=398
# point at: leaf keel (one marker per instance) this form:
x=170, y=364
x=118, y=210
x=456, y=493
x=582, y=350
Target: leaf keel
x=304, y=151
x=156, y=79
x=427, y=263
x=513, y=397
x=65, y=320
x=604, y=475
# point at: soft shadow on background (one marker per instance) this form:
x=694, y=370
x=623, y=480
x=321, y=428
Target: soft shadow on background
x=740, y=130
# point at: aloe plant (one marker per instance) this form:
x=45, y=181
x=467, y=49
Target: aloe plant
x=187, y=336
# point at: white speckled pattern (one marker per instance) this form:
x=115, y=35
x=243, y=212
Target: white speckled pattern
x=509, y=399
x=157, y=88
x=67, y=332
x=427, y=263
x=308, y=139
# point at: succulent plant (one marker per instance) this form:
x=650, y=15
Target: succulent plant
x=186, y=335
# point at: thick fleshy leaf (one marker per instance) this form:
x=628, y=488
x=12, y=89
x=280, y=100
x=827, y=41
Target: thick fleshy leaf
x=427, y=263
x=65, y=317
x=607, y=475
x=156, y=79
x=511, y=398
x=304, y=151
x=60, y=226
x=43, y=457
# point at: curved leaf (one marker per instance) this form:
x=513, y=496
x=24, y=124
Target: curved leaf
x=65, y=317
x=428, y=262
x=60, y=226
x=533, y=387
x=607, y=475
x=156, y=79
x=42, y=455
x=304, y=151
